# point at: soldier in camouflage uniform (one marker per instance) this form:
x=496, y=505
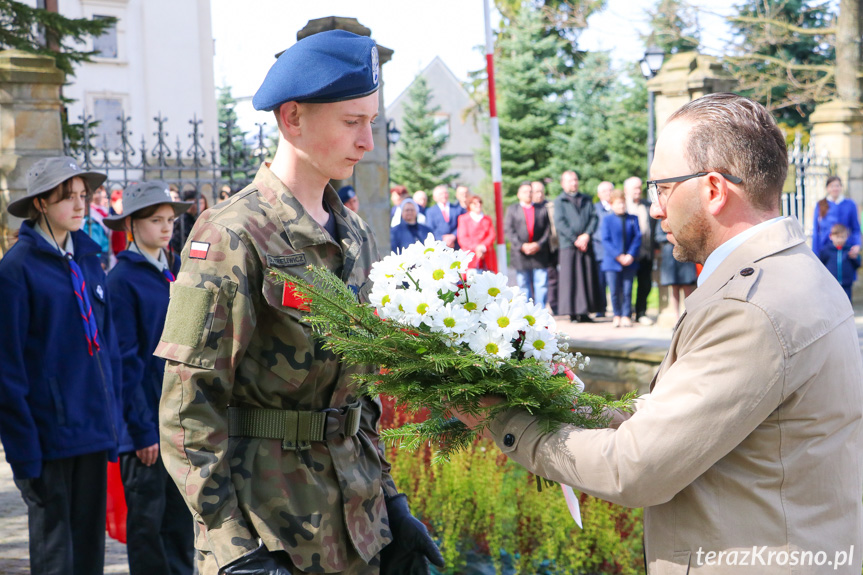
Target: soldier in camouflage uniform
x=276, y=454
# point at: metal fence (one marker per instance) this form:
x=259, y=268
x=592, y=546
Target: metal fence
x=189, y=165
x=810, y=169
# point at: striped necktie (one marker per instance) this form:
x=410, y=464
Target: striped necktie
x=79, y=285
x=168, y=275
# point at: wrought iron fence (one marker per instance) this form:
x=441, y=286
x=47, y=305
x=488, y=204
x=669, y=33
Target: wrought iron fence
x=811, y=170
x=191, y=166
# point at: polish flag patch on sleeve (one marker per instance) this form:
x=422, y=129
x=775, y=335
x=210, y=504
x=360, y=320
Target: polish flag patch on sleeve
x=198, y=250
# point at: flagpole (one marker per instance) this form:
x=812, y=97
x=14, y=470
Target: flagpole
x=496, y=175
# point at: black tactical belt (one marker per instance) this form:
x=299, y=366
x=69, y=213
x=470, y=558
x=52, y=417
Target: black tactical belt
x=296, y=429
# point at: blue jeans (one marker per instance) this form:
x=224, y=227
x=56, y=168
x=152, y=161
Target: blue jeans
x=620, y=285
x=534, y=284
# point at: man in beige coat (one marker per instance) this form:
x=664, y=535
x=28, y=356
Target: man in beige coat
x=747, y=452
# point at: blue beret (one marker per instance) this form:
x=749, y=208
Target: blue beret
x=346, y=193
x=329, y=66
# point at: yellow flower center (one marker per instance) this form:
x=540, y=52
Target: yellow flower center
x=470, y=306
x=422, y=308
x=449, y=322
x=539, y=345
x=491, y=348
x=503, y=321
x=401, y=308
x=438, y=274
x=385, y=300
x=455, y=266
x=530, y=320
x=429, y=251
x=493, y=292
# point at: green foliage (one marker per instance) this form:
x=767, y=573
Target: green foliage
x=532, y=79
x=783, y=55
x=421, y=371
x=604, y=137
x=231, y=147
x=484, y=503
x=674, y=27
x=418, y=162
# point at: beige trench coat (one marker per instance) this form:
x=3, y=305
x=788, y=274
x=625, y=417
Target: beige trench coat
x=750, y=443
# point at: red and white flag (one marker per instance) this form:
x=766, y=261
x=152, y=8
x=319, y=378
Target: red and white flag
x=199, y=250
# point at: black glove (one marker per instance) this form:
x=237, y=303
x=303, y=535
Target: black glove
x=258, y=562
x=412, y=548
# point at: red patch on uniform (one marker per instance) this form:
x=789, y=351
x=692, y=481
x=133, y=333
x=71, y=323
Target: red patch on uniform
x=291, y=298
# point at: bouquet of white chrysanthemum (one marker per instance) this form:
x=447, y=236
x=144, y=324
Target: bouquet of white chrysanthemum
x=445, y=336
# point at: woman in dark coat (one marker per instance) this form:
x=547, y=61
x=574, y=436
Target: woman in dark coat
x=579, y=292
x=678, y=275
x=408, y=231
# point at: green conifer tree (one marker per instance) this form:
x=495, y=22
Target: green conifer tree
x=418, y=162
x=532, y=79
x=231, y=147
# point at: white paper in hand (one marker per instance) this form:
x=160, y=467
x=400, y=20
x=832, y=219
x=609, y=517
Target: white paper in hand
x=572, y=503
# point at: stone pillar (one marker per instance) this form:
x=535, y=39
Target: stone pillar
x=371, y=174
x=684, y=77
x=837, y=128
x=30, y=126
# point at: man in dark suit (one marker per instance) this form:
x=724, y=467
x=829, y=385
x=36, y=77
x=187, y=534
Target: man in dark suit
x=527, y=229
x=638, y=206
x=442, y=217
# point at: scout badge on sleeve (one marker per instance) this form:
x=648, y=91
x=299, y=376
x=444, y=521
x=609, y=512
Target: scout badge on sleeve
x=199, y=250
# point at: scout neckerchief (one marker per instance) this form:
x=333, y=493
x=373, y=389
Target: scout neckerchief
x=79, y=286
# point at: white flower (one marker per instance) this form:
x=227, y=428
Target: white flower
x=452, y=319
x=485, y=343
x=537, y=317
x=437, y=273
x=388, y=273
x=504, y=318
x=391, y=305
x=418, y=306
x=539, y=343
x=485, y=287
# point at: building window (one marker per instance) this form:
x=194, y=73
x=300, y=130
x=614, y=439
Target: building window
x=107, y=112
x=105, y=45
x=441, y=125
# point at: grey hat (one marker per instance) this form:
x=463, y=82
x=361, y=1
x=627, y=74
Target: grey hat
x=47, y=174
x=143, y=195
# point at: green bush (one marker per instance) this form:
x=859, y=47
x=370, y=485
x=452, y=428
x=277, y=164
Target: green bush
x=483, y=503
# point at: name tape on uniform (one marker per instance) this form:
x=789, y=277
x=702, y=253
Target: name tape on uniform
x=198, y=250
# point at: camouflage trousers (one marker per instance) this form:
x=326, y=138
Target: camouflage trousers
x=356, y=566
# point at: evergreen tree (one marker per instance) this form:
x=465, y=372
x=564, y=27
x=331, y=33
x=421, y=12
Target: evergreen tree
x=532, y=80
x=232, y=150
x=47, y=33
x=605, y=132
x=674, y=27
x=418, y=162
x=783, y=55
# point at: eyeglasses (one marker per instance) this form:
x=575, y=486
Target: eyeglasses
x=657, y=197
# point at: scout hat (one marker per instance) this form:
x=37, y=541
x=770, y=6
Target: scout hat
x=330, y=66
x=47, y=174
x=143, y=195
x=346, y=193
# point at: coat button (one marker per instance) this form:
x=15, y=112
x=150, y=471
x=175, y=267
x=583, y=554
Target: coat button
x=747, y=272
x=508, y=439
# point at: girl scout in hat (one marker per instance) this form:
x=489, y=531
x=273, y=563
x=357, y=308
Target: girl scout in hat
x=159, y=527
x=60, y=375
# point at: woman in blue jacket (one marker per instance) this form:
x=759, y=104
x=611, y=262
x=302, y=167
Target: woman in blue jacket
x=835, y=209
x=59, y=370
x=621, y=240
x=159, y=529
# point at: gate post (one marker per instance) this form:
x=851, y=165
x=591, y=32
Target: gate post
x=30, y=126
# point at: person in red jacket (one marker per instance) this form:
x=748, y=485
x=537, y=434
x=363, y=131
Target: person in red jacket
x=475, y=233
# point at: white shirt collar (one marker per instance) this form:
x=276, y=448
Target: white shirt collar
x=719, y=254
x=160, y=264
x=68, y=248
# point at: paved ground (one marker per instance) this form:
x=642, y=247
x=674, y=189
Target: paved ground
x=14, y=553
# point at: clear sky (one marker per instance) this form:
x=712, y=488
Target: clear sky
x=247, y=35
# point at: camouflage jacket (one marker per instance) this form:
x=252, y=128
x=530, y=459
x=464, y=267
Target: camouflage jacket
x=230, y=341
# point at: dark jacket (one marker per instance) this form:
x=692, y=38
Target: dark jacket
x=139, y=297
x=613, y=245
x=839, y=263
x=515, y=228
x=56, y=400
x=439, y=226
x=403, y=235
x=574, y=215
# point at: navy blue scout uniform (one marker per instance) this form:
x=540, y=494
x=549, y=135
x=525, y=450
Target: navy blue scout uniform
x=59, y=382
x=160, y=532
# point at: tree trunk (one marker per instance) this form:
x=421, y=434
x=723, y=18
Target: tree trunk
x=848, y=50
